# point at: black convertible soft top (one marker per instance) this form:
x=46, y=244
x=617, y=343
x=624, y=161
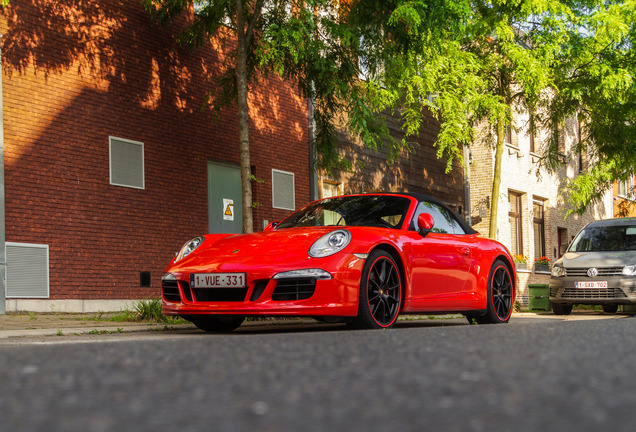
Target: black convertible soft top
x=425, y=198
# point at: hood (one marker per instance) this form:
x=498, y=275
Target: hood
x=291, y=240
x=598, y=259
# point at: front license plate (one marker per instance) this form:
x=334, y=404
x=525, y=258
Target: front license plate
x=590, y=285
x=217, y=280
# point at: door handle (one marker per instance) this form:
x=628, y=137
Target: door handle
x=465, y=251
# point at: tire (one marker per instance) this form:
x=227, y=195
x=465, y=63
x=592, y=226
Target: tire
x=380, y=297
x=218, y=323
x=561, y=309
x=610, y=308
x=500, y=294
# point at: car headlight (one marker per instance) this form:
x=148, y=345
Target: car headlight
x=189, y=247
x=558, y=271
x=629, y=270
x=330, y=244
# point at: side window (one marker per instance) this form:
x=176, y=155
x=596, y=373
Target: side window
x=445, y=221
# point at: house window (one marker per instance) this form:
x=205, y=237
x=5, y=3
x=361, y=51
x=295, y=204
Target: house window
x=538, y=225
x=516, y=229
x=532, y=149
x=330, y=189
x=27, y=270
x=126, y=163
x=283, y=195
x=626, y=188
x=508, y=132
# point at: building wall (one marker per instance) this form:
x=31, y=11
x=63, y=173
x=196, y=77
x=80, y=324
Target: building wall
x=415, y=171
x=524, y=172
x=76, y=73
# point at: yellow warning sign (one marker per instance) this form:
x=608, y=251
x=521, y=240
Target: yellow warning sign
x=228, y=209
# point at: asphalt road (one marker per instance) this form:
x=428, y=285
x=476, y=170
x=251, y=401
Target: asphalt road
x=529, y=375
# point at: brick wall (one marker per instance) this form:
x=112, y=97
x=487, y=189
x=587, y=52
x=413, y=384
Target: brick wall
x=417, y=171
x=75, y=73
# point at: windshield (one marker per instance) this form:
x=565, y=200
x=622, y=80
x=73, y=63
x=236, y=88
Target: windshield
x=362, y=210
x=608, y=238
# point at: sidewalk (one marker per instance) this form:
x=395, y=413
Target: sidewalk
x=51, y=324
x=16, y=325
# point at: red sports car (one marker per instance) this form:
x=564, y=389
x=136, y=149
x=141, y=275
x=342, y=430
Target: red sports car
x=361, y=259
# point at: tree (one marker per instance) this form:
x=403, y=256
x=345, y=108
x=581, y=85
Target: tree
x=324, y=46
x=473, y=76
x=595, y=74
x=554, y=59
x=315, y=43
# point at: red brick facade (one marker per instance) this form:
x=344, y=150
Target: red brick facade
x=415, y=171
x=76, y=73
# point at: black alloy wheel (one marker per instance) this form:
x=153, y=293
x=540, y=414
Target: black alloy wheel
x=380, y=296
x=500, y=295
x=561, y=309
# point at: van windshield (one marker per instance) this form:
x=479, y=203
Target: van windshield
x=607, y=238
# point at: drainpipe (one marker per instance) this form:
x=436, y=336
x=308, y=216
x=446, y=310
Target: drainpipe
x=313, y=175
x=3, y=254
x=467, y=207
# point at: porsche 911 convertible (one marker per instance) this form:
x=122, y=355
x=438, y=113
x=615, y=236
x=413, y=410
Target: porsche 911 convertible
x=357, y=259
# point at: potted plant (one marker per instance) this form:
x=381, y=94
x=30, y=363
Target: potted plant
x=542, y=264
x=521, y=262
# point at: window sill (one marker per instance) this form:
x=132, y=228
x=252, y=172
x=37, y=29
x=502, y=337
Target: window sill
x=514, y=150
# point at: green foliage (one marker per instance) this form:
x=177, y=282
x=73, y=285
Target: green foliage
x=468, y=62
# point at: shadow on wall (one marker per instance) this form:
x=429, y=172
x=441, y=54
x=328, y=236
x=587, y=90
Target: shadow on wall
x=416, y=171
x=80, y=71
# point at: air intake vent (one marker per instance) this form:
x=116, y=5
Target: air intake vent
x=170, y=290
x=294, y=289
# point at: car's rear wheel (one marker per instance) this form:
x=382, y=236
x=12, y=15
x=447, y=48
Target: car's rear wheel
x=610, y=308
x=380, y=295
x=561, y=309
x=500, y=294
x=217, y=323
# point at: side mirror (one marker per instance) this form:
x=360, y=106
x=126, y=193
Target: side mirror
x=425, y=223
x=271, y=226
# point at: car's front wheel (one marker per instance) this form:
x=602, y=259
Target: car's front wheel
x=610, y=308
x=217, y=323
x=561, y=309
x=380, y=296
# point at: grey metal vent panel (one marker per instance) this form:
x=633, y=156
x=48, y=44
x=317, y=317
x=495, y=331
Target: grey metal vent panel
x=283, y=195
x=126, y=163
x=27, y=270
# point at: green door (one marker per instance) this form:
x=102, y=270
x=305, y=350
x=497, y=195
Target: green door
x=225, y=211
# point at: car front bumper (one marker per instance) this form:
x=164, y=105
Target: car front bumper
x=620, y=290
x=266, y=296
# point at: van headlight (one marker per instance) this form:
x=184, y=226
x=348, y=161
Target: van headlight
x=558, y=271
x=629, y=270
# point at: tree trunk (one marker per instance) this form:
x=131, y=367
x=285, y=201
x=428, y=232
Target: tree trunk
x=496, y=181
x=244, y=120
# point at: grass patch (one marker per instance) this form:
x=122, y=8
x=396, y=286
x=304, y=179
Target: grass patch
x=147, y=311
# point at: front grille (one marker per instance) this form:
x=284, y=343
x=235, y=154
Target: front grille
x=602, y=271
x=220, y=294
x=294, y=289
x=585, y=294
x=170, y=290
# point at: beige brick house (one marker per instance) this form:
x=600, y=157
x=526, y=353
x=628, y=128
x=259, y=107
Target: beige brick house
x=532, y=206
